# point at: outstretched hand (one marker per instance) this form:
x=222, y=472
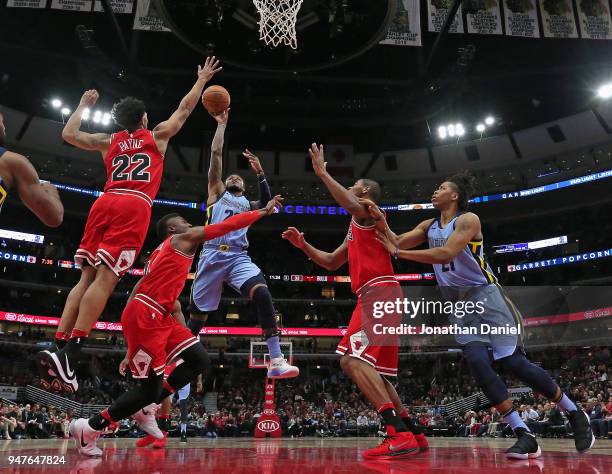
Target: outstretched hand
x=222, y=117
x=318, y=159
x=210, y=68
x=253, y=161
x=276, y=201
x=294, y=236
x=123, y=366
x=89, y=98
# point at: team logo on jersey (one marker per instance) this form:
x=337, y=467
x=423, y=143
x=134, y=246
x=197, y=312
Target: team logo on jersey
x=359, y=341
x=141, y=361
x=125, y=260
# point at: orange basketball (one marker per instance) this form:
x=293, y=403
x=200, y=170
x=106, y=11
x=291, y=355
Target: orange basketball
x=216, y=99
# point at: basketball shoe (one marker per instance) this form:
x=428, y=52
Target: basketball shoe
x=394, y=446
x=56, y=371
x=422, y=442
x=85, y=437
x=279, y=368
x=581, y=426
x=146, y=420
x=526, y=446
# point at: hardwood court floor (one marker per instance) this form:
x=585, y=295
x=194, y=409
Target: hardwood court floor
x=304, y=455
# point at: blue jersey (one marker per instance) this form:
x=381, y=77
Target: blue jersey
x=468, y=268
x=3, y=188
x=226, y=206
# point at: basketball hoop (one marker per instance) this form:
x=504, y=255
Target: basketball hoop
x=277, y=21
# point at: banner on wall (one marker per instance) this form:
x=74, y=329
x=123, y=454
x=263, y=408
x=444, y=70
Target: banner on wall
x=485, y=19
x=26, y=3
x=521, y=18
x=437, y=10
x=594, y=16
x=558, y=19
x=118, y=6
x=147, y=19
x=7, y=392
x=405, y=29
x=72, y=5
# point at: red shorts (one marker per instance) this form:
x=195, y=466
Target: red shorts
x=116, y=229
x=153, y=339
x=361, y=339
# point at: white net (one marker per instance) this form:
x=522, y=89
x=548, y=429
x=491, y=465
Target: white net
x=277, y=21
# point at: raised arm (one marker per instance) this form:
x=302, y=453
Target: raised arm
x=343, y=196
x=83, y=140
x=41, y=198
x=164, y=131
x=188, y=241
x=215, y=184
x=264, y=188
x=467, y=229
x=329, y=261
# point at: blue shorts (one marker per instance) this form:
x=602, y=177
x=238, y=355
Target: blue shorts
x=215, y=268
x=499, y=312
x=183, y=392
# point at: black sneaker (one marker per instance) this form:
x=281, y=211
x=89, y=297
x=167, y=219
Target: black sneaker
x=56, y=372
x=183, y=437
x=581, y=426
x=526, y=446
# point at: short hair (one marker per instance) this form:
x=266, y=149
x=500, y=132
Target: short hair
x=128, y=112
x=162, y=225
x=465, y=183
x=374, y=191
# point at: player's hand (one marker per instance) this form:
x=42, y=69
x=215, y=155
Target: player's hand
x=253, y=161
x=210, y=68
x=222, y=117
x=295, y=237
x=373, y=209
x=276, y=201
x=318, y=159
x=383, y=239
x=123, y=366
x=89, y=98
x=199, y=387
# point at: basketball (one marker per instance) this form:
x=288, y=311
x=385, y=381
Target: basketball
x=216, y=99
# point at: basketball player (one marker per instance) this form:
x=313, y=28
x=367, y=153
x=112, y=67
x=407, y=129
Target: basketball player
x=456, y=253
x=367, y=364
x=226, y=259
x=118, y=221
x=154, y=338
x=16, y=171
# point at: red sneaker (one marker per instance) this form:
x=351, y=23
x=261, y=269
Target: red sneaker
x=394, y=446
x=422, y=442
x=161, y=443
x=146, y=441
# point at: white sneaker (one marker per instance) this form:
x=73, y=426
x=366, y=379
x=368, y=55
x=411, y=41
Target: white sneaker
x=279, y=368
x=85, y=437
x=146, y=420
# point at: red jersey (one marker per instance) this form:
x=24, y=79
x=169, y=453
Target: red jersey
x=165, y=277
x=134, y=165
x=368, y=258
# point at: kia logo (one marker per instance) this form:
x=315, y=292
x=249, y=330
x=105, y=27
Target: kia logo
x=11, y=316
x=268, y=426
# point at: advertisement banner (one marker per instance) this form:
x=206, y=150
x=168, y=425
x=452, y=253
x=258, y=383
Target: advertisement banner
x=594, y=18
x=118, y=6
x=146, y=17
x=26, y=3
x=405, y=29
x=485, y=19
x=558, y=19
x=521, y=18
x=437, y=10
x=7, y=392
x=72, y=5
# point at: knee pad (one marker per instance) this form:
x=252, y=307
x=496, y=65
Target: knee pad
x=265, y=310
x=480, y=364
x=532, y=375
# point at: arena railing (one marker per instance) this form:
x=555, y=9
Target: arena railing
x=37, y=395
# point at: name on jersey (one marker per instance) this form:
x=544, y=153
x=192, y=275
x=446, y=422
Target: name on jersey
x=130, y=144
x=437, y=242
x=240, y=206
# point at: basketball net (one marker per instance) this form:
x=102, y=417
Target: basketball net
x=277, y=21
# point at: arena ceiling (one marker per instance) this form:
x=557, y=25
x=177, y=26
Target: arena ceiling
x=338, y=83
